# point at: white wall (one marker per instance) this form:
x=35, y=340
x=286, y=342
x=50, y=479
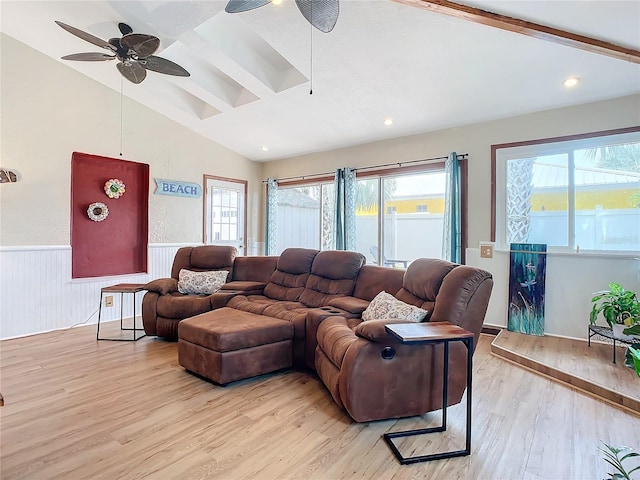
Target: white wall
x=570, y=279
x=48, y=111
x=570, y=283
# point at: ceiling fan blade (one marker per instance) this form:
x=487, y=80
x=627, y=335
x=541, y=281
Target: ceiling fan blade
x=237, y=6
x=141, y=44
x=162, y=65
x=132, y=71
x=89, y=57
x=86, y=36
x=125, y=29
x=322, y=14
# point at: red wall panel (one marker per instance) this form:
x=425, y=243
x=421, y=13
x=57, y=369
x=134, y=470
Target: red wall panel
x=118, y=244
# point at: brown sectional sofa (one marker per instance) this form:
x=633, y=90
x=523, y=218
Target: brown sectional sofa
x=303, y=309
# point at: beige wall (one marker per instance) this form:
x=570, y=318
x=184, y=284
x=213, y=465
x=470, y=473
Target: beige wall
x=50, y=111
x=476, y=140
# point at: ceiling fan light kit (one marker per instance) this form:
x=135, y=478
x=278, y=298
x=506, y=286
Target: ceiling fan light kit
x=134, y=52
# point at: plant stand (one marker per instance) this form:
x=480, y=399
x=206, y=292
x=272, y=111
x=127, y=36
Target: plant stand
x=608, y=333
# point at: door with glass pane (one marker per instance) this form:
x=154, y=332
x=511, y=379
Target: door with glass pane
x=225, y=212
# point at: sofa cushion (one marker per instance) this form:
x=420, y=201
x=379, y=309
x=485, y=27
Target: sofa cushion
x=201, y=283
x=422, y=281
x=335, y=336
x=244, y=286
x=205, y=257
x=333, y=275
x=162, y=286
x=372, y=279
x=179, y=306
x=227, y=329
x=253, y=269
x=385, y=305
x=288, y=280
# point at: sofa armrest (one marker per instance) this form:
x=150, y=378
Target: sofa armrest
x=163, y=286
x=350, y=304
x=374, y=331
x=245, y=287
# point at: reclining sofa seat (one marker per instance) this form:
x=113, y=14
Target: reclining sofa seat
x=369, y=387
x=163, y=306
x=304, y=280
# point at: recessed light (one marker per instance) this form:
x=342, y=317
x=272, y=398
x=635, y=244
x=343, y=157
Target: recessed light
x=265, y=148
x=388, y=121
x=571, y=82
x=276, y=2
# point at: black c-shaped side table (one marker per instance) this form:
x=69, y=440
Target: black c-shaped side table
x=433, y=333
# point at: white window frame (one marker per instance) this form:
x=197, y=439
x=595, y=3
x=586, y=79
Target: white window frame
x=562, y=145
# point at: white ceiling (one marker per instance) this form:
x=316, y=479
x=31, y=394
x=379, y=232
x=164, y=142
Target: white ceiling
x=249, y=84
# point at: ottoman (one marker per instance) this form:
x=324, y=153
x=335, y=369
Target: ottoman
x=226, y=345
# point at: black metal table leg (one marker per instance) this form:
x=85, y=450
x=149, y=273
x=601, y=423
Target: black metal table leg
x=388, y=437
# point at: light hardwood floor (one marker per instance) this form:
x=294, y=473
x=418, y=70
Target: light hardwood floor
x=80, y=409
x=573, y=362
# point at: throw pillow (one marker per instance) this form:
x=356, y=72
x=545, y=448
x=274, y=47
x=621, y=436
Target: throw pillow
x=201, y=283
x=385, y=305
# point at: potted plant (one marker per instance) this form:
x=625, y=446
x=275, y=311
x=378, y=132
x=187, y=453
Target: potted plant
x=620, y=308
x=615, y=456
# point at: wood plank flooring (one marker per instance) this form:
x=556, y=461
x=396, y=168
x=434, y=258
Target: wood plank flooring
x=574, y=363
x=80, y=409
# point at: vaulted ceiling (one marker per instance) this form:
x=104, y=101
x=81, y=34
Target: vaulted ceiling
x=252, y=72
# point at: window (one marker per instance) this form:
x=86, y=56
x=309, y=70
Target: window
x=399, y=213
x=579, y=193
x=406, y=231
x=306, y=216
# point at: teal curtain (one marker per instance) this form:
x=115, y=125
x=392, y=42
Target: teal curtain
x=271, y=230
x=452, y=235
x=345, y=210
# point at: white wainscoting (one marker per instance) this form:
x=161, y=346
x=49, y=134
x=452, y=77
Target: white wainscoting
x=38, y=295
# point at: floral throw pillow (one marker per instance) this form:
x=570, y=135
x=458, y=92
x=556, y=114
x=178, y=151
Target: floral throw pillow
x=201, y=283
x=385, y=305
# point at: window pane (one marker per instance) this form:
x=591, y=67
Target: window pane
x=367, y=218
x=411, y=232
x=299, y=217
x=538, y=200
x=571, y=194
x=608, y=197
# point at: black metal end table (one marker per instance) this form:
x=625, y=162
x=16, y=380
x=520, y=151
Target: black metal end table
x=433, y=333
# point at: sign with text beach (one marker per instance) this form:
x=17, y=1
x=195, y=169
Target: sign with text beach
x=177, y=189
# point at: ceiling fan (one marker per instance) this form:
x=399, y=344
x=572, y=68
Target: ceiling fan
x=134, y=52
x=322, y=14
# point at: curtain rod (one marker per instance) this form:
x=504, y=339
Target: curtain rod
x=462, y=156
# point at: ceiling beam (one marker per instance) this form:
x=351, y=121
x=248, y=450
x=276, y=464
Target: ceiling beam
x=524, y=27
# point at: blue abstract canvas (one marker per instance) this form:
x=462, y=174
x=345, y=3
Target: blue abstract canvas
x=526, y=288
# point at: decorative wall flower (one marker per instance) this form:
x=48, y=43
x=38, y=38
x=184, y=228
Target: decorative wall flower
x=97, y=211
x=114, y=188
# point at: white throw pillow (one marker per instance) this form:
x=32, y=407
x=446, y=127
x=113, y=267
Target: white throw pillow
x=201, y=283
x=385, y=305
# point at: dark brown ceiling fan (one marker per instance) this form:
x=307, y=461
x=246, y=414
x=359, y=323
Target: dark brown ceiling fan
x=322, y=14
x=134, y=52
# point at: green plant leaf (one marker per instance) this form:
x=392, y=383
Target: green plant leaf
x=632, y=330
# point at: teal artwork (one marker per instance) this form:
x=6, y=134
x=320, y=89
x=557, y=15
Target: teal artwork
x=526, y=288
